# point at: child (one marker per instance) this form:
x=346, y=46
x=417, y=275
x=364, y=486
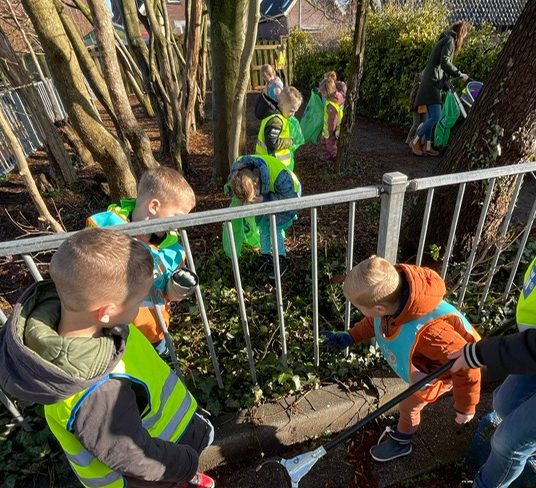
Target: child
x=274, y=85
x=162, y=192
x=418, y=112
x=280, y=62
x=120, y=414
x=415, y=330
x=340, y=85
x=275, y=136
x=333, y=112
x=256, y=179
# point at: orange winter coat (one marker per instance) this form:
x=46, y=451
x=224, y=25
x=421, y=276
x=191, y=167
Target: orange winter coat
x=441, y=337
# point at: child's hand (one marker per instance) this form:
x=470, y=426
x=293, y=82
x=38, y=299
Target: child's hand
x=463, y=418
x=460, y=363
x=337, y=340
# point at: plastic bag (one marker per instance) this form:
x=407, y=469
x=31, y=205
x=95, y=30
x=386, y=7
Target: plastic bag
x=245, y=231
x=450, y=113
x=313, y=118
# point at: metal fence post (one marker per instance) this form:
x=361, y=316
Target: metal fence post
x=393, y=191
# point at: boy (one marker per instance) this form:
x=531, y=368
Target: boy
x=275, y=137
x=257, y=179
x=162, y=192
x=415, y=330
x=120, y=414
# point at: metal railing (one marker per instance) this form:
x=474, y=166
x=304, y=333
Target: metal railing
x=391, y=192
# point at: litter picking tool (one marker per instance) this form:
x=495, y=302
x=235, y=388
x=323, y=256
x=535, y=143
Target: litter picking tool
x=297, y=467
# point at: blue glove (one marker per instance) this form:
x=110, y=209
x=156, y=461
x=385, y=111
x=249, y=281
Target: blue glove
x=337, y=340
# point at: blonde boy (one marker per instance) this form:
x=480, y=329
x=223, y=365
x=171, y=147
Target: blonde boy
x=416, y=330
x=162, y=192
x=275, y=136
x=118, y=411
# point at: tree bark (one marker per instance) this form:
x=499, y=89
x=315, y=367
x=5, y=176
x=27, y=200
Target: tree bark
x=238, y=108
x=139, y=141
x=202, y=71
x=227, y=39
x=69, y=80
x=500, y=130
x=24, y=171
x=352, y=94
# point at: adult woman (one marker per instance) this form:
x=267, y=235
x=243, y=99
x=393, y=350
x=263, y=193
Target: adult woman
x=274, y=85
x=438, y=69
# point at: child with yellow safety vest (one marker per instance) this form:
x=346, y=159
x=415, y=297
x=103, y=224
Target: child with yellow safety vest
x=416, y=330
x=121, y=415
x=333, y=112
x=260, y=178
x=162, y=192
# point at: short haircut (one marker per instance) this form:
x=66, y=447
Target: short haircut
x=328, y=87
x=292, y=95
x=267, y=69
x=243, y=183
x=166, y=185
x=374, y=281
x=96, y=266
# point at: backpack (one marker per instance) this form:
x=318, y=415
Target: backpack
x=265, y=106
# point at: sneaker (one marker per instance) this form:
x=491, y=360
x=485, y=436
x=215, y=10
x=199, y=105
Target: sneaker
x=266, y=262
x=416, y=148
x=391, y=448
x=431, y=152
x=283, y=267
x=200, y=480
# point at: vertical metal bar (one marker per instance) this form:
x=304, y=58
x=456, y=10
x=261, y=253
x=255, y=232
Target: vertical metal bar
x=202, y=311
x=394, y=189
x=14, y=411
x=502, y=235
x=278, y=292
x=32, y=267
x=476, y=240
x=314, y=265
x=522, y=245
x=349, y=259
x=452, y=233
x=241, y=303
x=424, y=228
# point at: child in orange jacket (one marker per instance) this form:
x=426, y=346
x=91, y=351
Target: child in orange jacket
x=416, y=330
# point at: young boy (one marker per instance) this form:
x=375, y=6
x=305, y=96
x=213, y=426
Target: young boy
x=275, y=136
x=333, y=112
x=162, y=192
x=256, y=179
x=120, y=414
x=415, y=330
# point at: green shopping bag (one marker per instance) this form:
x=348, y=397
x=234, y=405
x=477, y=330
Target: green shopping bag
x=245, y=231
x=313, y=118
x=450, y=112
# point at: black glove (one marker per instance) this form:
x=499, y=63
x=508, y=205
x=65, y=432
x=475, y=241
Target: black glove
x=337, y=340
x=182, y=283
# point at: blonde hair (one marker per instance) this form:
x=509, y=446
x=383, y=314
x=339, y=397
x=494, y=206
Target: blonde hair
x=98, y=265
x=166, y=185
x=292, y=96
x=374, y=281
x=243, y=183
x=328, y=87
x=332, y=75
x=267, y=69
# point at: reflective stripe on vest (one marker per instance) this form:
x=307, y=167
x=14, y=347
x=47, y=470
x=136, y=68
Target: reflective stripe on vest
x=526, y=305
x=169, y=411
x=284, y=155
x=398, y=350
x=339, y=111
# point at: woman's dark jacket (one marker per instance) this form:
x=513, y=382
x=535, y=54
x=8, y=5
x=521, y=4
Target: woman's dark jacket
x=438, y=69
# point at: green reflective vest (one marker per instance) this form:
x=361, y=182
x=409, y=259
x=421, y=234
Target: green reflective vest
x=275, y=166
x=339, y=110
x=169, y=410
x=284, y=155
x=526, y=305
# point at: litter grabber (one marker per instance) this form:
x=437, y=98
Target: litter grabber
x=297, y=467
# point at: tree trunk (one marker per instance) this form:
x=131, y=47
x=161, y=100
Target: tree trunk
x=139, y=141
x=69, y=80
x=24, y=171
x=352, y=95
x=193, y=44
x=227, y=39
x=500, y=130
x=239, y=106
x=18, y=77
x=202, y=71
x=80, y=149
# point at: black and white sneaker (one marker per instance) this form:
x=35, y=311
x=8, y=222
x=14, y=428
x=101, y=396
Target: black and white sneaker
x=283, y=267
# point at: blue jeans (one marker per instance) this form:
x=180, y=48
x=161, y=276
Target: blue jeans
x=514, y=441
x=433, y=116
x=266, y=241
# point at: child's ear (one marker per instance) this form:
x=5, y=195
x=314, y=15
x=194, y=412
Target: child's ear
x=381, y=309
x=105, y=313
x=153, y=206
